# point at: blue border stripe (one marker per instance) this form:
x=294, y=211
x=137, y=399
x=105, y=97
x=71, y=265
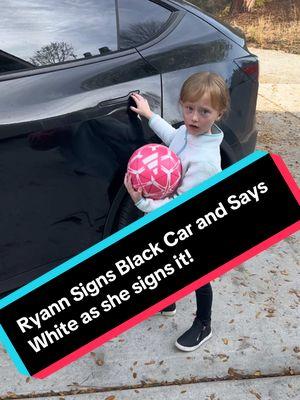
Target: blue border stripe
x=4, y=339
x=131, y=228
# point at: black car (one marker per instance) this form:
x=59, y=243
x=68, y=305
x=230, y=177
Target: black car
x=67, y=69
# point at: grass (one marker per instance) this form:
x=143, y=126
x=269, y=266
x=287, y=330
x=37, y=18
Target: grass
x=275, y=25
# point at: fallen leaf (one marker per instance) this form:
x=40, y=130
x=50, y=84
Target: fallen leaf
x=134, y=375
x=100, y=362
x=150, y=362
x=270, y=310
x=257, y=373
x=223, y=357
x=284, y=272
x=110, y=398
x=234, y=373
x=270, y=316
x=296, y=292
x=225, y=341
x=257, y=395
x=296, y=349
x=231, y=321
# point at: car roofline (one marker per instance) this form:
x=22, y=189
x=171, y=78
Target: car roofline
x=235, y=34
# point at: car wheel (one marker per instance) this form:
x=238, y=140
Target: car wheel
x=228, y=156
x=126, y=214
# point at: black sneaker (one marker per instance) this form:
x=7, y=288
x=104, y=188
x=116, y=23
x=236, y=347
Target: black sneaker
x=169, y=311
x=195, y=336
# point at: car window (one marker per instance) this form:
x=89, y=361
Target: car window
x=35, y=33
x=139, y=21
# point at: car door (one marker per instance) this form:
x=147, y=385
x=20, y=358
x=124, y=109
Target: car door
x=65, y=129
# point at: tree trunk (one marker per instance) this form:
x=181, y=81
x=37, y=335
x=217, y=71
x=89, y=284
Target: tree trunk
x=238, y=6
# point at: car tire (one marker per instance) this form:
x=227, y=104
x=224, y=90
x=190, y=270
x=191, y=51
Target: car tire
x=126, y=214
x=228, y=156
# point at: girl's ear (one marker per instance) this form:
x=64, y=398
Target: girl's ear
x=220, y=115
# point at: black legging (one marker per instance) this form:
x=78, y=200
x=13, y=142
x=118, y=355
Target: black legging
x=204, y=297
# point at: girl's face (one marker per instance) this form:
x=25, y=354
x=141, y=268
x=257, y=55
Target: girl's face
x=199, y=116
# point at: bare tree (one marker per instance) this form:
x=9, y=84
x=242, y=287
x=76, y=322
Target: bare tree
x=241, y=6
x=53, y=53
x=138, y=33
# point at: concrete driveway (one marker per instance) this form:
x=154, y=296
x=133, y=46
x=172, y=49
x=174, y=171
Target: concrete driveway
x=255, y=349
x=278, y=106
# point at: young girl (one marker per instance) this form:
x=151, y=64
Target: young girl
x=204, y=98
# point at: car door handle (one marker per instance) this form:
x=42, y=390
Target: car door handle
x=117, y=101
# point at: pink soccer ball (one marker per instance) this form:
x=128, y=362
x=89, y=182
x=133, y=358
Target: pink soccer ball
x=156, y=169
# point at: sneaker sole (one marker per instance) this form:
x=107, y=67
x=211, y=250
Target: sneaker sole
x=184, y=348
x=168, y=313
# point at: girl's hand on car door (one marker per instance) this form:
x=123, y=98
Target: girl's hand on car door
x=142, y=106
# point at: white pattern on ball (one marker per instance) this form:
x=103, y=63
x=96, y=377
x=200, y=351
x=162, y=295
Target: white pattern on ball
x=156, y=169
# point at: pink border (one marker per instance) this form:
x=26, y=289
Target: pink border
x=169, y=300
x=187, y=289
x=287, y=176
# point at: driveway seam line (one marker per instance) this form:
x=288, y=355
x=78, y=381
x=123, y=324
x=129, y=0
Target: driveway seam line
x=278, y=105
x=177, y=382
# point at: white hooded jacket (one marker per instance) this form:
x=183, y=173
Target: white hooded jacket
x=199, y=155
